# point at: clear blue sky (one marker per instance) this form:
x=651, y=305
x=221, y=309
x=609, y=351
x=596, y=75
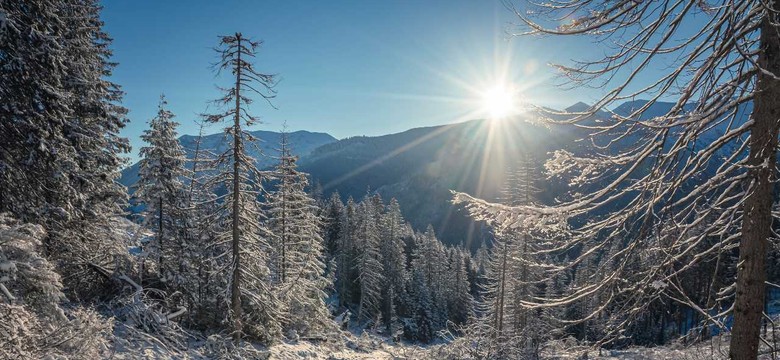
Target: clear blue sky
x=346, y=67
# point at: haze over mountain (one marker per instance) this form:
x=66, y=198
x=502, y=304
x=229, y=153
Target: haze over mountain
x=265, y=151
x=420, y=166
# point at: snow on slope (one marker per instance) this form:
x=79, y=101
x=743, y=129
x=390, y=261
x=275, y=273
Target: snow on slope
x=713, y=349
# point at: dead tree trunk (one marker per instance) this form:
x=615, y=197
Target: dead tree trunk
x=235, y=288
x=757, y=217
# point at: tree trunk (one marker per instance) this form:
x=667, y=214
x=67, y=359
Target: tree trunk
x=361, y=305
x=501, y=294
x=284, y=212
x=160, y=237
x=235, y=288
x=524, y=278
x=757, y=217
x=195, y=159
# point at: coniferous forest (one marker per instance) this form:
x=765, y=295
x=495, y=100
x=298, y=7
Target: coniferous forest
x=642, y=225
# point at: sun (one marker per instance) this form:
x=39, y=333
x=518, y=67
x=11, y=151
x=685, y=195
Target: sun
x=500, y=101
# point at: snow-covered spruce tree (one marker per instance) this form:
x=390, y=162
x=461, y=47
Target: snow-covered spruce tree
x=505, y=326
x=94, y=134
x=60, y=119
x=420, y=325
x=368, y=261
x=392, y=231
x=25, y=274
x=334, y=212
x=346, y=256
x=429, y=258
x=721, y=65
x=297, y=248
x=201, y=277
x=192, y=273
x=33, y=323
x=379, y=208
x=480, y=262
x=279, y=203
x=523, y=267
x=194, y=258
x=33, y=66
x=160, y=186
x=93, y=131
x=241, y=238
x=460, y=300
x=493, y=306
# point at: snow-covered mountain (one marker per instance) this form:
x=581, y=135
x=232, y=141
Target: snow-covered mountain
x=303, y=143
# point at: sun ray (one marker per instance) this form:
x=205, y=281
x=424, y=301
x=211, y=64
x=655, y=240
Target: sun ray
x=396, y=152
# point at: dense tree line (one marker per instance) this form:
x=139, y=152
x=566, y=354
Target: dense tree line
x=231, y=248
x=392, y=278
x=239, y=246
x=257, y=240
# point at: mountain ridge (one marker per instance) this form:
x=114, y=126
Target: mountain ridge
x=303, y=143
x=420, y=166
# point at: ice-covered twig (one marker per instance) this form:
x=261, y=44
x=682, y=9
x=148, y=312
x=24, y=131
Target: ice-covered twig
x=177, y=313
x=6, y=293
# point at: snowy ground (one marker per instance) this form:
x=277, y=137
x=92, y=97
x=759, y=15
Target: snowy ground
x=715, y=349
x=370, y=347
x=344, y=345
x=352, y=345
x=307, y=350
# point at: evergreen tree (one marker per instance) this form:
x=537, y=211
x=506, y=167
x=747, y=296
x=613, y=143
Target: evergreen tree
x=334, y=213
x=392, y=231
x=461, y=301
x=510, y=271
x=430, y=259
x=160, y=185
x=297, y=247
x=346, y=257
x=369, y=262
x=495, y=294
x=93, y=129
x=59, y=124
x=34, y=104
x=421, y=325
x=33, y=321
x=197, y=277
x=254, y=310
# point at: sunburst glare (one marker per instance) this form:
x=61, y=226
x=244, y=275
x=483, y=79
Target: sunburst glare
x=500, y=101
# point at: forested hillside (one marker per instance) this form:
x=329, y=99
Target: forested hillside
x=641, y=225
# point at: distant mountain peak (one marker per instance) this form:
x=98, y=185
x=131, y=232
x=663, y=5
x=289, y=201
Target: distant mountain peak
x=578, y=107
x=302, y=142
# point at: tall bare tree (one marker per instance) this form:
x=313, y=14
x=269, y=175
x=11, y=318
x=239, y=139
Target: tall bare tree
x=248, y=239
x=687, y=185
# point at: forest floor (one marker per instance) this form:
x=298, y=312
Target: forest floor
x=356, y=344
x=352, y=347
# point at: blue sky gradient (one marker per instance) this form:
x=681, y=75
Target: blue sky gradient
x=346, y=67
